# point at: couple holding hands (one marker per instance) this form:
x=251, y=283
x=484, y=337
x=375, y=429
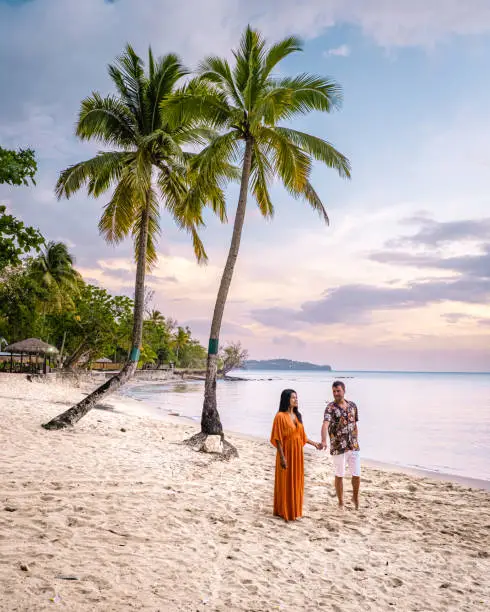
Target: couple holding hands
x=288, y=437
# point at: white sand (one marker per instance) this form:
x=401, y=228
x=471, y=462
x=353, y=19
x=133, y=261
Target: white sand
x=145, y=523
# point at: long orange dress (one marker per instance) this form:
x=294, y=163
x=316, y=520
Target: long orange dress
x=289, y=483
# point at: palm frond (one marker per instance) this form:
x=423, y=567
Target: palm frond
x=320, y=149
x=248, y=57
x=164, y=75
x=129, y=78
x=199, y=250
x=217, y=71
x=291, y=163
x=261, y=177
x=311, y=196
x=197, y=102
x=279, y=51
x=106, y=120
x=119, y=214
x=307, y=93
x=99, y=173
x=151, y=205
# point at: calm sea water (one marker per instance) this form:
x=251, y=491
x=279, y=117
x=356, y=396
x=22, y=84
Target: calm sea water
x=430, y=421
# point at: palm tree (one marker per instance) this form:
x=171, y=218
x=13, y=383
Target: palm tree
x=156, y=317
x=146, y=163
x=248, y=104
x=53, y=271
x=181, y=340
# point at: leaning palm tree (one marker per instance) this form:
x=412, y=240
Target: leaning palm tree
x=146, y=164
x=248, y=103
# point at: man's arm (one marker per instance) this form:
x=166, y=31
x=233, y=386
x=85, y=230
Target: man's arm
x=324, y=434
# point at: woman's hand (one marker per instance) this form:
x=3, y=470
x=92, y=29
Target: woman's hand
x=284, y=464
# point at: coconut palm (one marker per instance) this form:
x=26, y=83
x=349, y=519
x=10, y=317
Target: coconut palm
x=146, y=164
x=248, y=103
x=53, y=271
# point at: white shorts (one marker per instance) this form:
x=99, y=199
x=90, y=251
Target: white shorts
x=353, y=459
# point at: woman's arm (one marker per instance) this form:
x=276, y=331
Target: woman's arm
x=315, y=444
x=282, y=458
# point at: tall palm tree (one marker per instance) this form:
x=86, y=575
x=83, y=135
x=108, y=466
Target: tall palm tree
x=53, y=271
x=247, y=102
x=146, y=163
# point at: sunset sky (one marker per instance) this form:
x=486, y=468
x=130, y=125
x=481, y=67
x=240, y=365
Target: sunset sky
x=400, y=279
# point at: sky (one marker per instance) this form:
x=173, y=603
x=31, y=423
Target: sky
x=400, y=280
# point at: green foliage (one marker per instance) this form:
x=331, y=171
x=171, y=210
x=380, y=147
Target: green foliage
x=46, y=298
x=148, y=163
x=53, y=271
x=247, y=101
x=16, y=240
x=17, y=167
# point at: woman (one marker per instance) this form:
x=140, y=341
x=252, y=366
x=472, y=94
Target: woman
x=289, y=437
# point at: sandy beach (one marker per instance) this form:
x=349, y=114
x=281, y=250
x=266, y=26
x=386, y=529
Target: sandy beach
x=117, y=514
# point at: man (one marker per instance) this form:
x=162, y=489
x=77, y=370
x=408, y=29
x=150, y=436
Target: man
x=340, y=421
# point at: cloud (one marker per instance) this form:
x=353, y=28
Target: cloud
x=434, y=233
x=455, y=318
x=450, y=234
x=342, y=51
x=355, y=304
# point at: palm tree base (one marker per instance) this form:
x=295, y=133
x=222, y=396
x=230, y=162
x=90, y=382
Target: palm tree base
x=198, y=443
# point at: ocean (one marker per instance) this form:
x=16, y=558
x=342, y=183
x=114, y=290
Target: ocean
x=436, y=422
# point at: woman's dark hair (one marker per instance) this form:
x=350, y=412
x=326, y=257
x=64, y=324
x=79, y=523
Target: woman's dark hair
x=286, y=401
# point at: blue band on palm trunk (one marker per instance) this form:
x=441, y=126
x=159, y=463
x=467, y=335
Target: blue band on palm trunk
x=135, y=354
x=213, y=346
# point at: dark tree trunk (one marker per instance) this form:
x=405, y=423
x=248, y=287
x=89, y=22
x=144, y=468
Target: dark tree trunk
x=75, y=356
x=75, y=413
x=210, y=420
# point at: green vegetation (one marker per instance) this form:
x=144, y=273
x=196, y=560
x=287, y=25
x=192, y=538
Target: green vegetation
x=17, y=167
x=45, y=297
x=16, y=240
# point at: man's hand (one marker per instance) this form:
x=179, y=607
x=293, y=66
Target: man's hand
x=284, y=464
x=322, y=445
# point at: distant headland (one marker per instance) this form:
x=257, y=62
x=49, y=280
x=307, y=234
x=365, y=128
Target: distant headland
x=283, y=364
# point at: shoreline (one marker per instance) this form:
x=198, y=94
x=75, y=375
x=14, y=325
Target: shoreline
x=419, y=472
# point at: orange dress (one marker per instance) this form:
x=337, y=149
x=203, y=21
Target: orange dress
x=289, y=484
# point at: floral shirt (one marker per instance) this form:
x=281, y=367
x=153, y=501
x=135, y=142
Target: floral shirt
x=342, y=428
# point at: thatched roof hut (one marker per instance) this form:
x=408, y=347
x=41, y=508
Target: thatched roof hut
x=31, y=346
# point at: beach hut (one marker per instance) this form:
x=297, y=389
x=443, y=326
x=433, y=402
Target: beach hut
x=103, y=361
x=30, y=347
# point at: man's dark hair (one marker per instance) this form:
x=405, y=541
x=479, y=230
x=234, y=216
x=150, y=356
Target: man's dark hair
x=338, y=383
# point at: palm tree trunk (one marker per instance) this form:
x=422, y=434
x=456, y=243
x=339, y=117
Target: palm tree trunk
x=210, y=420
x=75, y=413
x=75, y=356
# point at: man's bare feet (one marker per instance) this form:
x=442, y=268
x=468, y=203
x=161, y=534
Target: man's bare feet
x=356, y=503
